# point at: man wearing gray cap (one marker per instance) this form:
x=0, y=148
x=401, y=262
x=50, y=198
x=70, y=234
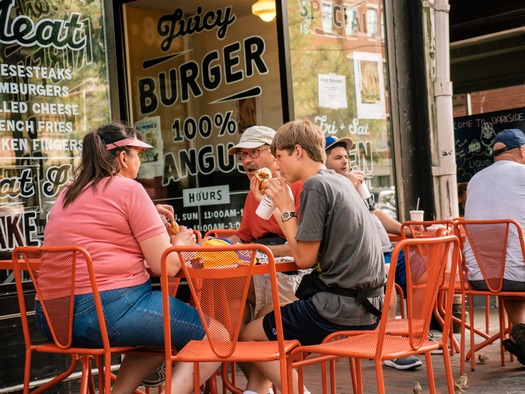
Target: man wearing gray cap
x=493, y=193
x=253, y=152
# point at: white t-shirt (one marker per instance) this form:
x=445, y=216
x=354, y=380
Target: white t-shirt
x=498, y=192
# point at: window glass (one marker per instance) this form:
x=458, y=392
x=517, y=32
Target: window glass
x=199, y=74
x=53, y=89
x=339, y=82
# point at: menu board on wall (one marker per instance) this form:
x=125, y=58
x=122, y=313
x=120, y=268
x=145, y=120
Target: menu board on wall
x=53, y=89
x=474, y=136
x=199, y=75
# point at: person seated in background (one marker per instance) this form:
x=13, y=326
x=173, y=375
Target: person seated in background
x=107, y=212
x=335, y=234
x=253, y=151
x=337, y=160
x=493, y=193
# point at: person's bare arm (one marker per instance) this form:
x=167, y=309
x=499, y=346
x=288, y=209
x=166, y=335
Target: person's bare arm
x=282, y=250
x=153, y=247
x=390, y=224
x=304, y=253
x=234, y=239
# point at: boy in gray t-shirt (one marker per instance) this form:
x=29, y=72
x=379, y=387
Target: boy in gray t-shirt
x=335, y=234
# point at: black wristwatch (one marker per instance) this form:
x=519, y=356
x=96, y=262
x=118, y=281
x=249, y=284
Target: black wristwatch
x=287, y=215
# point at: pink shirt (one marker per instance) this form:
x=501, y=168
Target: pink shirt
x=254, y=227
x=109, y=224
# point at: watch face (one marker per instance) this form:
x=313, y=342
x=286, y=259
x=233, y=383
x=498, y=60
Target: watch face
x=287, y=215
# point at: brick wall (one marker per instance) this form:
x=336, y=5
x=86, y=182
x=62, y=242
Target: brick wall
x=490, y=100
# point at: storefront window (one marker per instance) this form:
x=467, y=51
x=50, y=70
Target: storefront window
x=199, y=74
x=53, y=89
x=338, y=73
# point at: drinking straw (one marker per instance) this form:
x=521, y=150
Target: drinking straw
x=417, y=204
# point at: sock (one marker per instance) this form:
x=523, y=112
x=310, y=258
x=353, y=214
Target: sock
x=249, y=392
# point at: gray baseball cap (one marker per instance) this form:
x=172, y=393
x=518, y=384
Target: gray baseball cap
x=253, y=137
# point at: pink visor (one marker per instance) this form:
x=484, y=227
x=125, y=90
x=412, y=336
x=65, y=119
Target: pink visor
x=131, y=141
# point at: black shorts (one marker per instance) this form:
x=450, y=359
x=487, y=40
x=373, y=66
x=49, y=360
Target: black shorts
x=301, y=321
x=508, y=285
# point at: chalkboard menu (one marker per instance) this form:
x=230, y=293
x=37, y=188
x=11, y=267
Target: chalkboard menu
x=474, y=136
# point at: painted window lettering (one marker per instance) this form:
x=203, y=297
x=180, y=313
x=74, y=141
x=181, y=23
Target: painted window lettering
x=46, y=32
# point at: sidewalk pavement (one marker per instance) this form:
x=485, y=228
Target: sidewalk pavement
x=489, y=377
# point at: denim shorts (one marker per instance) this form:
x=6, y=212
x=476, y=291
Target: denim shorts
x=133, y=317
x=301, y=321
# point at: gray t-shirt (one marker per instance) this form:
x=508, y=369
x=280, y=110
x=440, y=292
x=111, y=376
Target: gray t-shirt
x=383, y=235
x=497, y=192
x=350, y=254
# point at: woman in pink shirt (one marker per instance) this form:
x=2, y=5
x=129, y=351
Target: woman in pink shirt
x=107, y=212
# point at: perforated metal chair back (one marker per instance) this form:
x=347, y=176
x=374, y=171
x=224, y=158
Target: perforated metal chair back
x=219, y=278
x=489, y=241
x=219, y=282
x=53, y=274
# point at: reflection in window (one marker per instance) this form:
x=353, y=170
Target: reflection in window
x=371, y=22
x=327, y=17
x=351, y=21
x=383, y=27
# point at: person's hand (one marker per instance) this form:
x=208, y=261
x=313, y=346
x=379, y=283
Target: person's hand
x=356, y=177
x=281, y=194
x=255, y=187
x=166, y=212
x=185, y=237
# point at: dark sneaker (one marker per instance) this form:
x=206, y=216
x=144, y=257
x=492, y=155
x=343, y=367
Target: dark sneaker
x=511, y=347
x=518, y=334
x=407, y=362
x=157, y=377
x=516, y=345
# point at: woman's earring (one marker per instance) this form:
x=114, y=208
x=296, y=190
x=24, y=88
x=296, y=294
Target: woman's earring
x=125, y=167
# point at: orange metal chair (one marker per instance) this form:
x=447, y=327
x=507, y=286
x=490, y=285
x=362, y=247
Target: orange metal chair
x=198, y=235
x=219, y=278
x=57, y=299
x=437, y=228
x=489, y=240
x=427, y=228
x=395, y=339
x=220, y=233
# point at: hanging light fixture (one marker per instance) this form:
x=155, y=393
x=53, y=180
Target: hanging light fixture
x=264, y=9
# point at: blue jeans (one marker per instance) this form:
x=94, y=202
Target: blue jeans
x=133, y=317
x=401, y=274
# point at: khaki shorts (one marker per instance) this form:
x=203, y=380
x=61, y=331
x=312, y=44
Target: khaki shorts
x=287, y=285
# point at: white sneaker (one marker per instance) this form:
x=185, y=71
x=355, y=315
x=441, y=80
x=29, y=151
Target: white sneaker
x=157, y=377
